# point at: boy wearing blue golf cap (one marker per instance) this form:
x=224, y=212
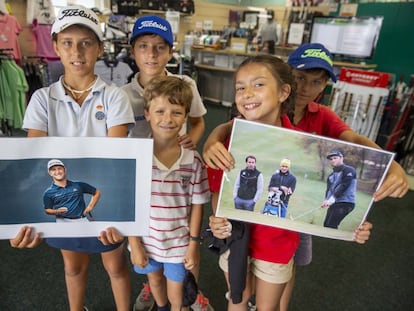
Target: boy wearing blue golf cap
x=312, y=66
x=152, y=42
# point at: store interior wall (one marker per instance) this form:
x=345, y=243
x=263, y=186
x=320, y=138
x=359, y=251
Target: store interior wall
x=395, y=48
x=393, y=54
x=217, y=14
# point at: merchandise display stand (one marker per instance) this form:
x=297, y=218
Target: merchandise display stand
x=359, y=98
x=401, y=137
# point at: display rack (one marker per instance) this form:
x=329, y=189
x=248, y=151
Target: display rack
x=359, y=98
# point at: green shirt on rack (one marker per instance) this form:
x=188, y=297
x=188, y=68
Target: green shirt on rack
x=14, y=104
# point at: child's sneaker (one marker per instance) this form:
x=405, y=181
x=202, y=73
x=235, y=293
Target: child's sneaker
x=144, y=301
x=251, y=306
x=227, y=295
x=201, y=303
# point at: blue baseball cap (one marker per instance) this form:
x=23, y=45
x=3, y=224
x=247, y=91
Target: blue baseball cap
x=152, y=24
x=310, y=56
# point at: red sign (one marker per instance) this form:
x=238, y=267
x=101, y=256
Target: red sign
x=365, y=78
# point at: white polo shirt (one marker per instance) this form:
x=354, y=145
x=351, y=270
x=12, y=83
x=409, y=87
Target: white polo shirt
x=51, y=110
x=135, y=93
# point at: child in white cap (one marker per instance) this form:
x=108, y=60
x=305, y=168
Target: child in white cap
x=81, y=104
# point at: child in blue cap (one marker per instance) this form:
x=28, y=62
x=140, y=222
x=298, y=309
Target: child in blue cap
x=152, y=42
x=312, y=66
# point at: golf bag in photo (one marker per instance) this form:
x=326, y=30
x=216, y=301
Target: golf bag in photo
x=274, y=205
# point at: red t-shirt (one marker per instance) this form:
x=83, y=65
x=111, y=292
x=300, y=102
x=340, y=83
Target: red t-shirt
x=321, y=120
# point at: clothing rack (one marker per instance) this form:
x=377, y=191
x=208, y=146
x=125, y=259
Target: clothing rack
x=34, y=57
x=5, y=128
x=36, y=71
x=5, y=51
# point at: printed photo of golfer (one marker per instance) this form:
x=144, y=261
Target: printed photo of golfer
x=56, y=187
x=311, y=184
x=65, y=199
x=75, y=186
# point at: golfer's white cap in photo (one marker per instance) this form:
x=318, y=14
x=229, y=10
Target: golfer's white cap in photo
x=54, y=162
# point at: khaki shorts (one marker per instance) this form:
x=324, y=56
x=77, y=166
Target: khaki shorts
x=270, y=272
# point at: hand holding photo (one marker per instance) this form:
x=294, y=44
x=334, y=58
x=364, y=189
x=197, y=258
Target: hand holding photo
x=299, y=181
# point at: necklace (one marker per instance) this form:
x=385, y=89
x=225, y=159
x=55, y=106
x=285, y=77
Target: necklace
x=76, y=94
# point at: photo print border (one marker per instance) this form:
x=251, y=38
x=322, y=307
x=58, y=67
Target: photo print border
x=307, y=158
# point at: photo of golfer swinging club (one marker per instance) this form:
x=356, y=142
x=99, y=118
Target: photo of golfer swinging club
x=311, y=184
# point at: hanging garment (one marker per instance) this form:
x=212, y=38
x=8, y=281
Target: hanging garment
x=14, y=87
x=113, y=71
x=41, y=11
x=44, y=45
x=10, y=29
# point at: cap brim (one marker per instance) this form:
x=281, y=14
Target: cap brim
x=313, y=65
x=148, y=33
x=64, y=27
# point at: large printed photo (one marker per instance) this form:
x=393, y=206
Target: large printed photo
x=74, y=187
x=300, y=181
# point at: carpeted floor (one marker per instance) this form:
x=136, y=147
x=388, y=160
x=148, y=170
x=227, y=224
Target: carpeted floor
x=343, y=275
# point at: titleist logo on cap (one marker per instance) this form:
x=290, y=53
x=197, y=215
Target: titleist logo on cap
x=77, y=12
x=153, y=24
x=317, y=53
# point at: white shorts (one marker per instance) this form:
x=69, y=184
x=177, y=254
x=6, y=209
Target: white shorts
x=270, y=272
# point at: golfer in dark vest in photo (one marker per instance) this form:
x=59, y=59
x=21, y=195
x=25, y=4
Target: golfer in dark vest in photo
x=248, y=186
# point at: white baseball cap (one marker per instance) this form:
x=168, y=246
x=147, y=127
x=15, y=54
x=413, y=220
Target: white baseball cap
x=54, y=162
x=77, y=15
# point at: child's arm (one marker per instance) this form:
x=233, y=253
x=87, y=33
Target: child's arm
x=138, y=254
x=215, y=154
x=110, y=236
x=363, y=232
x=196, y=131
x=395, y=183
x=36, y=133
x=192, y=256
x=220, y=227
x=118, y=131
